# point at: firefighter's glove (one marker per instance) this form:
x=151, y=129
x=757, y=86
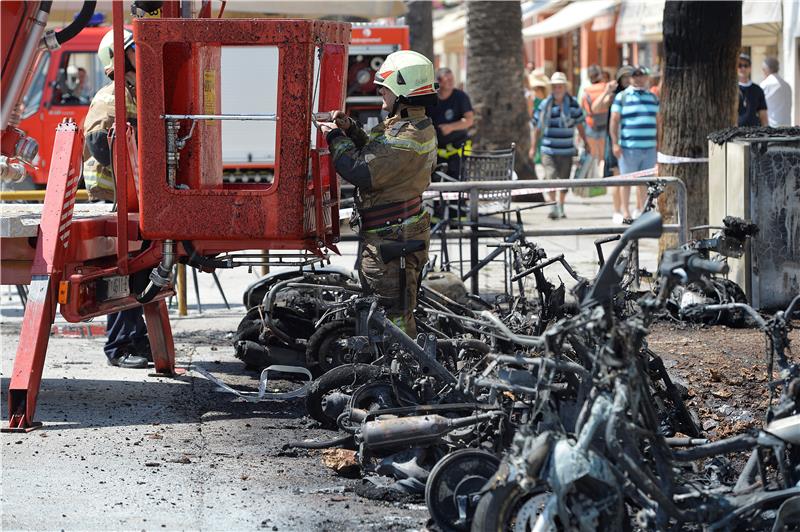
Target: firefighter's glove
x=342, y=121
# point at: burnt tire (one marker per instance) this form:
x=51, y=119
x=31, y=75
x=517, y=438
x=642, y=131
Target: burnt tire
x=498, y=508
x=250, y=327
x=322, y=353
x=344, y=379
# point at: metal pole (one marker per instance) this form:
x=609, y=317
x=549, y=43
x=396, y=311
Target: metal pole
x=221, y=291
x=473, y=239
x=197, y=291
x=182, y=290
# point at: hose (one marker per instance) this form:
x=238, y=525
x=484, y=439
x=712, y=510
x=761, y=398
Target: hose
x=161, y=274
x=199, y=261
x=323, y=444
x=76, y=25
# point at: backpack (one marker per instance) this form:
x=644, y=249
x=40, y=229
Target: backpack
x=595, y=120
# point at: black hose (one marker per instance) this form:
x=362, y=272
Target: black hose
x=152, y=288
x=148, y=294
x=323, y=444
x=200, y=261
x=45, y=6
x=76, y=25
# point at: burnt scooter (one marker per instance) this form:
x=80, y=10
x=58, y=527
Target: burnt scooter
x=552, y=481
x=728, y=242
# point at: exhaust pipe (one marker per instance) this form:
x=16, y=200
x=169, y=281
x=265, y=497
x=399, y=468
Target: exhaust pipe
x=414, y=430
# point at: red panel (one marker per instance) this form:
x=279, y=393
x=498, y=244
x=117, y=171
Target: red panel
x=271, y=212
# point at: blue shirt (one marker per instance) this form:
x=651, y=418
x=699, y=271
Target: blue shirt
x=559, y=129
x=638, y=109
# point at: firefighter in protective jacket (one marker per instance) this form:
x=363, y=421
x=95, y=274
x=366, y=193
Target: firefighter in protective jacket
x=97, y=174
x=391, y=168
x=127, y=344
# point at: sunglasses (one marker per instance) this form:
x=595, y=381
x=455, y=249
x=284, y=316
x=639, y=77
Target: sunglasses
x=744, y=65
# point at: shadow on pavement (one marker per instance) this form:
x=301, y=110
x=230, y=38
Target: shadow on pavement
x=85, y=403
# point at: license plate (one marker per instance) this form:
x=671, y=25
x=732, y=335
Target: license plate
x=113, y=288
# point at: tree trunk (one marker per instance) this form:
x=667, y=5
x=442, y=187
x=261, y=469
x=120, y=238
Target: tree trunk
x=701, y=45
x=495, y=80
x=419, y=18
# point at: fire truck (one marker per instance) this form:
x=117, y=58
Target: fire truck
x=172, y=203
x=67, y=78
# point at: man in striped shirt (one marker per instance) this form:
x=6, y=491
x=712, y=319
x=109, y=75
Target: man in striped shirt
x=634, y=130
x=555, y=121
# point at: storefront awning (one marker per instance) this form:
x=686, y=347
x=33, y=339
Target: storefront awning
x=640, y=21
x=761, y=22
x=572, y=16
x=532, y=8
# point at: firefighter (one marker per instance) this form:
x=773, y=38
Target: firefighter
x=391, y=168
x=127, y=344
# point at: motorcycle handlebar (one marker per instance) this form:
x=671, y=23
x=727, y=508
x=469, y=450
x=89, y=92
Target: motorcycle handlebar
x=528, y=341
x=701, y=265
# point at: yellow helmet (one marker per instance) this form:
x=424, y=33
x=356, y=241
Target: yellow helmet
x=106, y=49
x=407, y=73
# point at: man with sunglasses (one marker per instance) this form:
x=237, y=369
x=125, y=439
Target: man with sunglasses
x=752, y=103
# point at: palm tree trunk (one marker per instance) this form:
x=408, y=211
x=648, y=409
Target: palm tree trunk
x=495, y=79
x=701, y=45
x=419, y=18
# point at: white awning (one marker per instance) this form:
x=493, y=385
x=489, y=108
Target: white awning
x=453, y=22
x=531, y=8
x=761, y=22
x=640, y=21
x=572, y=16
x=761, y=12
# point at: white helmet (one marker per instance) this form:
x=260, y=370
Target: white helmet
x=407, y=73
x=106, y=49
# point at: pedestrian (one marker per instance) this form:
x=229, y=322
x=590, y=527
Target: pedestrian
x=452, y=117
x=555, y=122
x=752, y=102
x=610, y=163
x=391, y=168
x=777, y=93
x=634, y=127
x=540, y=85
x=596, y=118
x=127, y=344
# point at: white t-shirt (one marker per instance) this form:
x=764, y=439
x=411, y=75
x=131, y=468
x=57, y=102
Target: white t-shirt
x=778, y=94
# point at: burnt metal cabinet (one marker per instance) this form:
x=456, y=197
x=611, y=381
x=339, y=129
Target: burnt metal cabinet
x=758, y=179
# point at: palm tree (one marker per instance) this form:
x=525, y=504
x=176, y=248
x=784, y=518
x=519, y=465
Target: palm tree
x=419, y=18
x=495, y=79
x=701, y=45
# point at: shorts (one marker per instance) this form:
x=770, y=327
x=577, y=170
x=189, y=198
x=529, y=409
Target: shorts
x=637, y=159
x=599, y=133
x=557, y=166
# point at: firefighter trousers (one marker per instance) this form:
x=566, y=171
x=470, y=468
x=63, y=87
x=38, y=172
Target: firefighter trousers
x=383, y=279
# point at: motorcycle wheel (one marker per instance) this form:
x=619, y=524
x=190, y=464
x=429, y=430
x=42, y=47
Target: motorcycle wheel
x=343, y=380
x=323, y=352
x=509, y=508
x=460, y=474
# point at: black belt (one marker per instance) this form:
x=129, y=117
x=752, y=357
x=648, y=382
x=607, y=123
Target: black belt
x=389, y=214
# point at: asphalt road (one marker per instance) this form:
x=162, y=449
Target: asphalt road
x=124, y=450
